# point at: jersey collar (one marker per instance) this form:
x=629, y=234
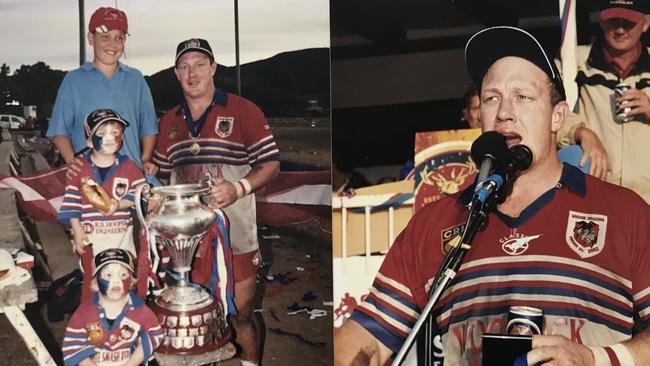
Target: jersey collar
x=119, y=160
x=571, y=178
x=129, y=305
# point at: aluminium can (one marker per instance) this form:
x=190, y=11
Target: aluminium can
x=621, y=112
x=525, y=320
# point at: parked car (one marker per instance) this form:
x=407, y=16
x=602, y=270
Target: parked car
x=11, y=122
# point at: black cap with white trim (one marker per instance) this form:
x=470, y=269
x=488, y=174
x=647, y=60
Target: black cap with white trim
x=98, y=117
x=196, y=45
x=491, y=44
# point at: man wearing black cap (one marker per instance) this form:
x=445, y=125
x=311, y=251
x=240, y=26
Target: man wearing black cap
x=559, y=242
x=615, y=57
x=227, y=136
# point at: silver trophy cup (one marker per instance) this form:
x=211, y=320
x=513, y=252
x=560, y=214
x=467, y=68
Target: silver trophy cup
x=179, y=221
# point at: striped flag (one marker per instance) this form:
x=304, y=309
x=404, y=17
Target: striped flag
x=295, y=198
x=291, y=198
x=41, y=193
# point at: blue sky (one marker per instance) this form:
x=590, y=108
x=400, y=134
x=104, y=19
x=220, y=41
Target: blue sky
x=47, y=30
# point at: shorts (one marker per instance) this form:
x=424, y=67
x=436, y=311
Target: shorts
x=245, y=265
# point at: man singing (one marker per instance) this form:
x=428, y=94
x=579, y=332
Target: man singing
x=589, y=287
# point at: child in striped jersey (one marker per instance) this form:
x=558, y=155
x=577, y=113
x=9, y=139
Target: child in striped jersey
x=116, y=327
x=103, y=172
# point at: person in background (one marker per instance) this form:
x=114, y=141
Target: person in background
x=616, y=148
x=105, y=83
x=471, y=117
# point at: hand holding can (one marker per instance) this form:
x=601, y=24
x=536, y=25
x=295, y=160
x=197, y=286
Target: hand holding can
x=621, y=112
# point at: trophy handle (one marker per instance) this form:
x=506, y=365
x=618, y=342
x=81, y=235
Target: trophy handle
x=138, y=201
x=206, y=180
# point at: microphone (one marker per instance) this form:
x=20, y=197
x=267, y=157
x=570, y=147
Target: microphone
x=520, y=157
x=488, y=150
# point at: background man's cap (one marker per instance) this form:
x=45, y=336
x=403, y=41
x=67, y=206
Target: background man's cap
x=106, y=19
x=113, y=255
x=96, y=118
x=632, y=10
x=489, y=45
x=194, y=44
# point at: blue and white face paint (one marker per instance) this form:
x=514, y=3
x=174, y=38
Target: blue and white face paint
x=114, y=281
x=98, y=141
x=107, y=138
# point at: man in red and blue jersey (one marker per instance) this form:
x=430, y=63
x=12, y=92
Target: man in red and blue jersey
x=227, y=136
x=561, y=241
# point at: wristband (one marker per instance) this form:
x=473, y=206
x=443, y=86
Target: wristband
x=243, y=187
x=612, y=355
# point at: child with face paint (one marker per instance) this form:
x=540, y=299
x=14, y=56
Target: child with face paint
x=115, y=327
x=98, y=227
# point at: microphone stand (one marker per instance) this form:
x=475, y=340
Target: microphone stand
x=452, y=262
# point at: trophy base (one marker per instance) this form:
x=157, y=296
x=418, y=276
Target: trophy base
x=192, y=321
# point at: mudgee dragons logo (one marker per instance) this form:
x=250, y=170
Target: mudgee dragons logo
x=586, y=233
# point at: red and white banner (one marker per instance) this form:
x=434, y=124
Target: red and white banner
x=303, y=188
x=291, y=198
x=41, y=194
x=297, y=198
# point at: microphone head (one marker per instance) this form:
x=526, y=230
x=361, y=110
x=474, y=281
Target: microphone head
x=521, y=158
x=492, y=144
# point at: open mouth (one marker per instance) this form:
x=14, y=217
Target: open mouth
x=512, y=139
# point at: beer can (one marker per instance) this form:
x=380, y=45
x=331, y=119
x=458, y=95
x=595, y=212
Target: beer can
x=621, y=111
x=525, y=320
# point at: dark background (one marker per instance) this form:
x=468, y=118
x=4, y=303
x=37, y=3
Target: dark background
x=369, y=131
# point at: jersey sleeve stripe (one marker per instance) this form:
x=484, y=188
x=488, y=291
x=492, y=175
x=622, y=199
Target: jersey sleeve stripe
x=394, y=284
x=76, y=357
x=644, y=310
x=401, y=311
x=264, y=140
x=379, y=288
x=387, y=315
x=641, y=295
x=386, y=336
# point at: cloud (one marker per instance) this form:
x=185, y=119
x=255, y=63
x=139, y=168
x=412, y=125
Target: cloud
x=157, y=26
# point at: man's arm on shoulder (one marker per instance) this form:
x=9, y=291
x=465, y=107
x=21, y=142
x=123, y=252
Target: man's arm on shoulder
x=575, y=131
x=64, y=146
x=355, y=346
x=148, y=144
x=592, y=149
